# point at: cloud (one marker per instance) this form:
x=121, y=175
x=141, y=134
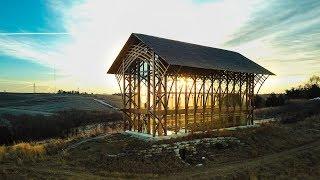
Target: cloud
x=97, y=29
x=283, y=36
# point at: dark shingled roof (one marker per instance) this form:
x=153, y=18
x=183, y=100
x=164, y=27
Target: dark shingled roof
x=197, y=56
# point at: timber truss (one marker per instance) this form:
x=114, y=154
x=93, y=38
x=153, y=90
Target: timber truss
x=162, y=99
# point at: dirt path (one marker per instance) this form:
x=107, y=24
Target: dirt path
x=224, y=168
x=106, y=104
x=75, y=145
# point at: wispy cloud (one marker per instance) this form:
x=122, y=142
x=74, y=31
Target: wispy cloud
x=285, y=37
x=281, y=35
x=97, y=29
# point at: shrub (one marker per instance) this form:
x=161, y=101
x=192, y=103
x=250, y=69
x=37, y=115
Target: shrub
x=26, y=150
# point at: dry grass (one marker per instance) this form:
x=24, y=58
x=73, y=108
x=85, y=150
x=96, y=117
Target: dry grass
x=27, y=150
x=32, y=151
x=22, y=152
x=2, y=152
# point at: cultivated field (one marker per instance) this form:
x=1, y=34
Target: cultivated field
x=47, y=104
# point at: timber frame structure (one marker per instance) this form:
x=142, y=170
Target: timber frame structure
x=171, y=87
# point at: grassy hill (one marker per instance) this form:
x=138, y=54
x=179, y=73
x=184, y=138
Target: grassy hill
x=47, y=104
x=287, y=148
x=30, y=117
x=281, y=149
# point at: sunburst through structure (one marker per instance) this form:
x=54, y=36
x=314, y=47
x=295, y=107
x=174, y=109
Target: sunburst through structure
x=170, y=86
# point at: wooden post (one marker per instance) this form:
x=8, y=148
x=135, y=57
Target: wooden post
x=251, y=97
x=130, y=97
x=228, y=103
x=186, y=102
x=166, y=105
x=247, y=91
x=203, y=104
x=240, y=94
x=220, y=102
x=148, y=99
x=176, y=104
x=139, y=97
x=234, y=99
x=195, y=105
x=212, y=101
x=159, y=96
x=135, y=98
x=154, y=95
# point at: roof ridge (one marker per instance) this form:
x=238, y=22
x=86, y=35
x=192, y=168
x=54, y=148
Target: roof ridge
x=137, y=34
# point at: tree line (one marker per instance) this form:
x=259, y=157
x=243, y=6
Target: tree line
x=308, y=91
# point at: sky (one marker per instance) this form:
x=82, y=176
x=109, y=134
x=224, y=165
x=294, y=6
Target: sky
x=70, y=45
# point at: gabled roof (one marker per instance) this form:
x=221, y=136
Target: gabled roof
x=193, y=55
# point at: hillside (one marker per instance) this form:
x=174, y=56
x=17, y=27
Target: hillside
x=47, y=104
x=271, y=150
x=32, y=117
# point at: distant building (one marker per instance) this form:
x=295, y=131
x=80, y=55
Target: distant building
x=171, y=86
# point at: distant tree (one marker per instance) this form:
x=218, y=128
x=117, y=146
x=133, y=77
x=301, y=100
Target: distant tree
x=281, y=100
x=258, y=101
x=313, y=91
x=274, y=100
x=271, y=100
x=314, y=80
x=69, y=92
x=310, y=90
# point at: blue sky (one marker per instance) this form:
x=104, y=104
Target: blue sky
x=28, y=16
x=80, y=39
